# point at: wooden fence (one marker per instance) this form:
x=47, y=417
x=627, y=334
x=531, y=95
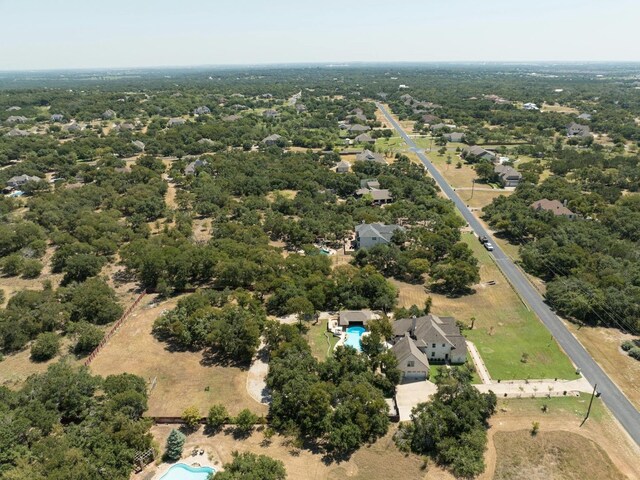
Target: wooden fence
x=114, y=329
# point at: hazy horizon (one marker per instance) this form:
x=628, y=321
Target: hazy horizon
x=70, y=35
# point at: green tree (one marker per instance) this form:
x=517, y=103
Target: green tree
x=217, y=417
x=249, y=466
x=88, y=337
x=245, y=421
x=191, y=417
x=31, y=268
x=175, y=444
x=45, y=347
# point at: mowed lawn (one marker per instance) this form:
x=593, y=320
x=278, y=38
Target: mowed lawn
x=182, y=378
x=504, y=328
x=321, y=345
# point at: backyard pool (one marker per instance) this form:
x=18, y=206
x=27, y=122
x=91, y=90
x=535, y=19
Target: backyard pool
x=180, y=471
x=353, y=337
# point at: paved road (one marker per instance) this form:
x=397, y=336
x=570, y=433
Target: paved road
x=619, y=405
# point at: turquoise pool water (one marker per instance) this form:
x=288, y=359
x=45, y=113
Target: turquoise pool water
x=353, y=337
x=180, y=471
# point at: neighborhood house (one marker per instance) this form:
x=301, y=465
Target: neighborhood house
x=372, y=234
x=553, y=206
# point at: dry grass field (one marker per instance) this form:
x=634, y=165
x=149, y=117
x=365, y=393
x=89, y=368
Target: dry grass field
x=599, y=449
x=559, y=109
x=553, y=454
x=183, y=378
x=604, y=346
x=380, y=461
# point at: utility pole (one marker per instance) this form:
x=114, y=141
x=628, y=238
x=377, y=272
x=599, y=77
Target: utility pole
x=593, y=395
x=473, y=186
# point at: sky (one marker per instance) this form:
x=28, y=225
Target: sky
x=66, y=34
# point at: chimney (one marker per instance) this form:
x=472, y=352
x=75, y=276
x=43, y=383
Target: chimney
x=564, y=202
x=413, y=326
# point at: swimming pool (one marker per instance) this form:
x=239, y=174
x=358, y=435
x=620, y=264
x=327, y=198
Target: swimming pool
x=353, y=337
x=180, y=471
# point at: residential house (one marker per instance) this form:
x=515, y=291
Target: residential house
x=369, y=156
x=301, y=108
x=349, y=318
x=72, y=127
x=191, y=168
x=585, y=116
x=343, y=167
x=206, y=141
x=507, y=176
x=406, y=98
x=369, y=183
x=270, y=114
x=109, y=114
x=454, y=137
x=440, y=126
x=430, y=119
x=20, y=180
x=138, y=144
x=231, y=118
x=412, y=362
x=554, y=206
x=479, y=153
x=16, y=119
x=357, y=128
x=15, y=132
x=272, y=139
x=57, y=117
x=439, y=338
x=577, y=130
x=125, y=127
x=530, y=106
x=13, y=108
x=365, y=138
x=371, y=234
x=175, y=122
x=202, y=110
x=378, y=196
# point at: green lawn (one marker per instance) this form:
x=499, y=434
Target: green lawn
x=318, y=341
x=508, y=329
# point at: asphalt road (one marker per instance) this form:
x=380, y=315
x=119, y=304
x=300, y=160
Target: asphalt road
x=613, y=398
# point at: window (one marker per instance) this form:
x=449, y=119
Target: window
x=433, y=346
x=411, y=363
x=433, y=354
x=443, y=345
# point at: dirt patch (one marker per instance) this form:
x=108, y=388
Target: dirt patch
x=601, y=436
x=182, y=378
x=379, y=461
x=553, y=454
x=559, y=109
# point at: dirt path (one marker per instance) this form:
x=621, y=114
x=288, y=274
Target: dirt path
x=256, y=379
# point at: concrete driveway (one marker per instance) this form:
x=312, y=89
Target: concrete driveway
x=408, y=395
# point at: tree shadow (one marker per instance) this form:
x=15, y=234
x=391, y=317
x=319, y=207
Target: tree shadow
x=215, y=357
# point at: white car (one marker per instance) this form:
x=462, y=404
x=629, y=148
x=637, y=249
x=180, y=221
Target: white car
x=488, y=246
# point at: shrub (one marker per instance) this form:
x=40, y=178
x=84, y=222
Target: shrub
x=175, y=444
x=191, y=417
x=245, y=421
x=635, y=353
x=217, y=417
x=12, y=265
x=2, y=296
x=31, y=268
x=88, y=338
x=627, y=345
x=535, y=427
x=45, y=347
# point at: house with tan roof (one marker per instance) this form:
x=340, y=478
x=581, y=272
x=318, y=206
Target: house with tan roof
x=554, y=206
x=439, y=338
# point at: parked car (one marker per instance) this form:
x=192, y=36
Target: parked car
x=483, y=239
x=488, y=246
